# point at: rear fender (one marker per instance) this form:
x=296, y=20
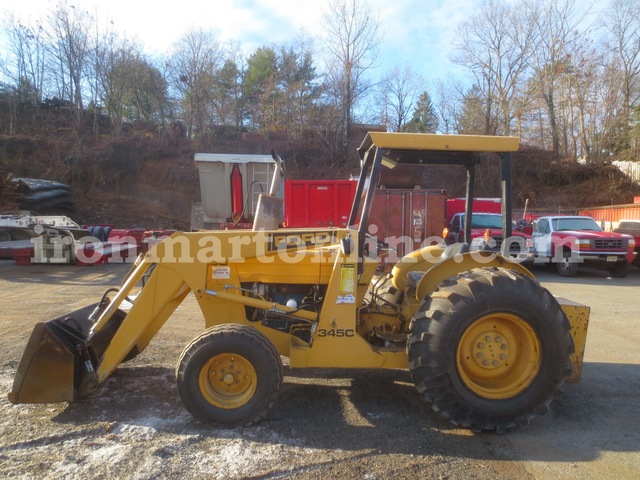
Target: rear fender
x=461, y=263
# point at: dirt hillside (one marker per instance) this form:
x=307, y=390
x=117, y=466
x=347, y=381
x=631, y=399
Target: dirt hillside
x=142, y=179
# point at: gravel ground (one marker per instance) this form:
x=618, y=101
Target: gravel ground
x=327, y=423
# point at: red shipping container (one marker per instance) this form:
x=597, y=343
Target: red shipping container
x=406, y=218
x=318, y=203
x=612, y=214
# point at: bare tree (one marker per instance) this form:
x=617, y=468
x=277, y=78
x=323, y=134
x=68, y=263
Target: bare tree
x=622, y=21
x=28, y=50
x=581, y=81
x=69, y=30
x=25, y=67
x=352, y=38
x=558, y=33
x=113, y=58
x=448, y=97
x=400, y=89
x=196, y=58
x=495, y=46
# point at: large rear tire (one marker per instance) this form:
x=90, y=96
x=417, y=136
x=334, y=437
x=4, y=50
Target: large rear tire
x=229, y=374
x=489, y=348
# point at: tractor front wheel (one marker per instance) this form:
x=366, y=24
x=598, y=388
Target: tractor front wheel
x=489, y=348
x=229, y=374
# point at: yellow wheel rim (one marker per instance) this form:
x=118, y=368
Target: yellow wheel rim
x=498, y=356
x=228, y=380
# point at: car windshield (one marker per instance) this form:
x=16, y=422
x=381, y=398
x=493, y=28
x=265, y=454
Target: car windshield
x=486, y=221
x=583, y=223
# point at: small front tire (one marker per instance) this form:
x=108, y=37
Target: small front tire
x=229, y=374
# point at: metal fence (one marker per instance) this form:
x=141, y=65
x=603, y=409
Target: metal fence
x=629, y=168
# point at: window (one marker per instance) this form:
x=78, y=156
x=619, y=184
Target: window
x=542, y=226
x=575, y=223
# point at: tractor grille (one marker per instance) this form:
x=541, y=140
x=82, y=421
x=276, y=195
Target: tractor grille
x=609, y=243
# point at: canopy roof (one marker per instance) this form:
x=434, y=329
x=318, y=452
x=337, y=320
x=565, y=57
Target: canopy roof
x=425, y=148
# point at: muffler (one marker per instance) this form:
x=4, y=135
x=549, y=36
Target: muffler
x=59, y=362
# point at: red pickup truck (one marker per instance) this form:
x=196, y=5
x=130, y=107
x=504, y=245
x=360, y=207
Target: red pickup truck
x=486, y=234
x=571, y=241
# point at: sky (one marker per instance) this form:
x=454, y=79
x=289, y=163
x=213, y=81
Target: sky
x=416, y=33
x=419, y=33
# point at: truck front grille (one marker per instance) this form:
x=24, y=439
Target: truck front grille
x=514, y=247
x=609, y=243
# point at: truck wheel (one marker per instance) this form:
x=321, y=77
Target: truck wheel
x=621, y=269
x=229, y=374
x=489, y=348
x=567, y=268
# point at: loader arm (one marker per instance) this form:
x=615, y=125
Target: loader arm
x=162, y=294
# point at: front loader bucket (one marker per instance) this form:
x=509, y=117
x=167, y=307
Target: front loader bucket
x=47, y=369
x=58, y=364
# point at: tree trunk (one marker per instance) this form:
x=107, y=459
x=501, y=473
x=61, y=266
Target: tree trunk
x=553, y=125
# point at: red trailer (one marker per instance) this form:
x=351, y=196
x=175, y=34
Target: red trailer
x=403, y=218
x=318, y=203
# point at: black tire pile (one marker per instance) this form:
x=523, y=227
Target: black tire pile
x=43, y=196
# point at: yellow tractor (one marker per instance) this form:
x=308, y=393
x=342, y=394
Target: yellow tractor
x=487, y=346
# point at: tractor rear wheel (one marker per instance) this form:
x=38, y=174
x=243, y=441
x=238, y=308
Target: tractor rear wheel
x=489, y=348
x=229, y=374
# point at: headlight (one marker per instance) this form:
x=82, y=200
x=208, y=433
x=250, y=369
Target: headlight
x=582, y=242
x=632, y=242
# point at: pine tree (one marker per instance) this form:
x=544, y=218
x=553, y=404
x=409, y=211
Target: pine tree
x=425, y=117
